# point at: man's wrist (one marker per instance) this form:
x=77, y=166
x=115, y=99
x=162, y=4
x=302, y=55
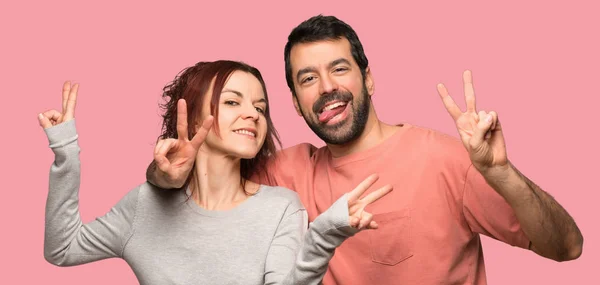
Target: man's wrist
x=509, y=183
x=497, y=173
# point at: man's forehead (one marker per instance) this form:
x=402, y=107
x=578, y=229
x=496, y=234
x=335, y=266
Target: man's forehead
x=317, y=53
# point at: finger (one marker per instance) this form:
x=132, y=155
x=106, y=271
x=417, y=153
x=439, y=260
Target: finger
x=495, y=125
x=494, y=119
x=182, y=125
x=52, y=115
x=166, y=146
x=449, y=103
x=355, y=208
x=481, y=115
x=377, y=194
x=373, y=225
x=483, y=126
x=158, y=145
x=469, y=91
x=497, y=137
x=160, y=155
x=365, y=220
x=362, y=187
x=71, y=102
x=65, y=95
x=44, y=122
x=354, y=221
x=160, y=159
x=201, y=134
x=162, y=163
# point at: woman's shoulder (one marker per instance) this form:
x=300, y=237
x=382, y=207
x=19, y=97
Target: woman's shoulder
x=279, y=194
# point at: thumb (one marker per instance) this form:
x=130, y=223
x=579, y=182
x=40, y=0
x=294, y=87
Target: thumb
x=44, y=122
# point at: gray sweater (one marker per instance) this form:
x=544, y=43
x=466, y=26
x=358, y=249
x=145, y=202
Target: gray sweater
x=166, y=238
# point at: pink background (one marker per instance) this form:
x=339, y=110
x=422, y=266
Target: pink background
x=536, y=64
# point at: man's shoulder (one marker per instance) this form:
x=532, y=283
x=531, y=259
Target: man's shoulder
x=304, y=148
x=433, y=139
x=300, y=152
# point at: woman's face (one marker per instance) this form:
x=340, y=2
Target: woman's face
x=242, y=123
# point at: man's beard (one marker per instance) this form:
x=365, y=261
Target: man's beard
x=335, y=134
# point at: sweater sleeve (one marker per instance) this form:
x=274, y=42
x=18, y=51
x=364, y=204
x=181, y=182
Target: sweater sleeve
x=67, y=241
x=328, y=231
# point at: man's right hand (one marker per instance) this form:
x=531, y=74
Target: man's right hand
x=174, y=158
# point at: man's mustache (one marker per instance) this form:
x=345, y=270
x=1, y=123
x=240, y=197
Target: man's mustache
x=333, y=96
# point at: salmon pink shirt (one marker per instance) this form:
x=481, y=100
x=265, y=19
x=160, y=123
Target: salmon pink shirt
x=429, y=225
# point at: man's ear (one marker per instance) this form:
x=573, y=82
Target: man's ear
x=296, y=105
x=369, y=82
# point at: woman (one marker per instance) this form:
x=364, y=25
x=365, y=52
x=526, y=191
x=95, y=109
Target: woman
x=220, y=228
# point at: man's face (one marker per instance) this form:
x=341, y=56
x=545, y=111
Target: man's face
x=331, y=93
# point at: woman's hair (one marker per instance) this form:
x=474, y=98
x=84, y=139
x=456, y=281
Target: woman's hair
x=192, y=84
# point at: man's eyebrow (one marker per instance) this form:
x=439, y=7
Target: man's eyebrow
x=338, y=61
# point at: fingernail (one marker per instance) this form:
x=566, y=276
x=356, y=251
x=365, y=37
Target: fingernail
x=488, y=119
x=40, y=116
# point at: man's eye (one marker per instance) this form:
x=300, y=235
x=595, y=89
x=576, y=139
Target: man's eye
x=307, y=79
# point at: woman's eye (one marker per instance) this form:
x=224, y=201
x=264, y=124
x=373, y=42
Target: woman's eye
x=232, y=103
x=260, y=110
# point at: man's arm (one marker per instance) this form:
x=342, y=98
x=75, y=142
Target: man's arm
x=551, y=230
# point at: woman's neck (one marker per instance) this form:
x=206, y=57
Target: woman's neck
x=217, y=182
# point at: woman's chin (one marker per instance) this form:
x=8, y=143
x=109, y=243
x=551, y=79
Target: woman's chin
x=246, y=154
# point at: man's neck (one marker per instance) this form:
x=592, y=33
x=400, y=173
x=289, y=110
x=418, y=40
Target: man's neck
x=375, y=132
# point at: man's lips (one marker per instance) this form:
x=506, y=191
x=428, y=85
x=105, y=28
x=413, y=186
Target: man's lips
x=332, y=110
x=331, y=105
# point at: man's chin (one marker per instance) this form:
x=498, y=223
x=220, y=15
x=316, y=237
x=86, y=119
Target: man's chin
x=338, y=134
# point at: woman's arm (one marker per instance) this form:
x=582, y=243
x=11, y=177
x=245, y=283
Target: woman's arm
x=67, y=241
x=329, y=230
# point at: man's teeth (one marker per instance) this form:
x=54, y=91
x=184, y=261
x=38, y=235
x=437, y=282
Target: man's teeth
x=332, y=106
x=244, y=132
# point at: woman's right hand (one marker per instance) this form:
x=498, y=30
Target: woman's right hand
x=174, y=158
x=69, y=99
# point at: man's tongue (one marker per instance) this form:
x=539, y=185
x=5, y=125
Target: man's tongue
x=328, y=114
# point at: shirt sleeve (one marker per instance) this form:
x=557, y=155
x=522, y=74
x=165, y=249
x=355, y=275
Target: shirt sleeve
x=327, y=232
x=486, y=212
x=285, y=245
x=67, y=241
x=287, y=167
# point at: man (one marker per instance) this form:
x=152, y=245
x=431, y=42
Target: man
x=445, y=193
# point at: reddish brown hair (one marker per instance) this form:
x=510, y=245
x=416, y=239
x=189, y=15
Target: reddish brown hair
x=192, y=84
